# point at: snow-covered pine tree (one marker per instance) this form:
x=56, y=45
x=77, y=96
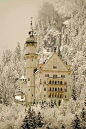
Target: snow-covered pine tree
x=39, y=120
x=29, y=121
x=76, y=123
x=83, y=118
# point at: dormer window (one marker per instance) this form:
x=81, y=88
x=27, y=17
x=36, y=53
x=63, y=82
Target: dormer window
x=54, y=67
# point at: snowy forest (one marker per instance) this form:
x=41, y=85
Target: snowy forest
x=60, y=24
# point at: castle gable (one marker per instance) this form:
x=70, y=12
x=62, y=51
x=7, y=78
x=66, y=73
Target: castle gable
x=55, y=63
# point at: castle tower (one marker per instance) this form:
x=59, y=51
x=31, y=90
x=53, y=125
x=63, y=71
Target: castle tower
x=31, y=64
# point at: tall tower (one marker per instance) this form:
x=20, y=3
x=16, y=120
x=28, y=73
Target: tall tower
x=31, y=64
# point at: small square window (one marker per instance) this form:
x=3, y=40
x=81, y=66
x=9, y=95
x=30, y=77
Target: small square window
x=54, y=67
x=29, y=90
x=44, y=89
x=28, y=79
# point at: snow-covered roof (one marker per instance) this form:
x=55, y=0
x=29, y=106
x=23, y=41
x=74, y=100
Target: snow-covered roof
x=18, y=97
x=22, y=77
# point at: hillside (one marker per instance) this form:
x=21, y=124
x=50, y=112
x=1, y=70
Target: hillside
x=68, y=19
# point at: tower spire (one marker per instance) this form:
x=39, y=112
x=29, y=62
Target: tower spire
x=31, y=23
x=31, y=27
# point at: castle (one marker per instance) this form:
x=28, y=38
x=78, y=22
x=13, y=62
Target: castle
x=49, y=81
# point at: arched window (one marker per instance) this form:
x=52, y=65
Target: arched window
x=61, y=96
x=61, y=89
x=58, y=89
x=55, y=82
x=50, y=95
x=50, y=88
x=50, y=82
x=58, y=96
x=60, y=82
x=55, y=95
x=55, y=89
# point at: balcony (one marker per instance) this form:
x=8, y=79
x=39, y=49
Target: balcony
x=56, y=81
x=51, y=91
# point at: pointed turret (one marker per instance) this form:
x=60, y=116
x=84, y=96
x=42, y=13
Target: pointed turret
x=31, y=64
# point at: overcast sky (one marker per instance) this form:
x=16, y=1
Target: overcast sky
x=15, y=21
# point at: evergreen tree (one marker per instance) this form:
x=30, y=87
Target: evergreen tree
x=74, y=93
x=76, y=123
x=39, y=120
x=31, y=121
x=83, y=118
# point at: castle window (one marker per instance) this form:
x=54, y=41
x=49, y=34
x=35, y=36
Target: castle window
x=44, y=89
x=28, y=79
x=63, y=76
x=46, y=75
x=65, y=96
x=55, y=82
x=44, y=82
x=58, y=89
x=44, y=95
x=50, y=82
x=49, y=95
x=61, y=89
x=54, y=76
x=54, y=67
x=55, y=89
x=65, y=90
x=29, y=90
x=55, y=95
x=50, y=88
x=58, y=96
x=60, y=82
x=61, y=96
x=32, y=95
